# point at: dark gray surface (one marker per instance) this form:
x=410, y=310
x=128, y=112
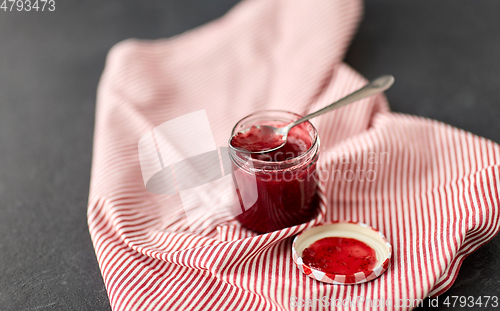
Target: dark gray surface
x=444, y=55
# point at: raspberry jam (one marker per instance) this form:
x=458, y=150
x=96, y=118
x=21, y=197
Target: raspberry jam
x=254, y=139
x=337, y=255
x=257, y=139
x=275, y=190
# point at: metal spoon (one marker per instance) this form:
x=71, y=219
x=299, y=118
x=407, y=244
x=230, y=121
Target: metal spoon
x=374, y=87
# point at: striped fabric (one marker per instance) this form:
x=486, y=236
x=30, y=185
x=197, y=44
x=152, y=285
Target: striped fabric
x=432, y=189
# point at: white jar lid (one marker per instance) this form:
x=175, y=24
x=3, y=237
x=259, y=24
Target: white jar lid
x=355, y=230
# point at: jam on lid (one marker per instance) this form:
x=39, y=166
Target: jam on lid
x=339, y=255
x=342, y=253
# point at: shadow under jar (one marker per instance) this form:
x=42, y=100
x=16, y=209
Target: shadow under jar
x=278, y=189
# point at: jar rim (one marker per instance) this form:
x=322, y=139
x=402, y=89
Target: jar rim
x=314, y=143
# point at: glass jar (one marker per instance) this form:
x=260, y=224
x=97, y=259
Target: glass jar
x=277, y=190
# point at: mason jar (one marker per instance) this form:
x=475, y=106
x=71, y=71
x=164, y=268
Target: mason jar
x=277, y=190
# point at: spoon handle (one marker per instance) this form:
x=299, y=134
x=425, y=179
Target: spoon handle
x=374, y=87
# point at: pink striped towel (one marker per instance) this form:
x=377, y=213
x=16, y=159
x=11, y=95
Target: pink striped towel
x=435, y=194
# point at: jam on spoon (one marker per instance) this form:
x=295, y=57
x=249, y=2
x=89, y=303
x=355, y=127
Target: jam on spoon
x=257, y=139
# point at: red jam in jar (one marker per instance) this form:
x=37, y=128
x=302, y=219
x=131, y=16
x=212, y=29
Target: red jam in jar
x=337, y=255
x=277, y=189
x=257, y=139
